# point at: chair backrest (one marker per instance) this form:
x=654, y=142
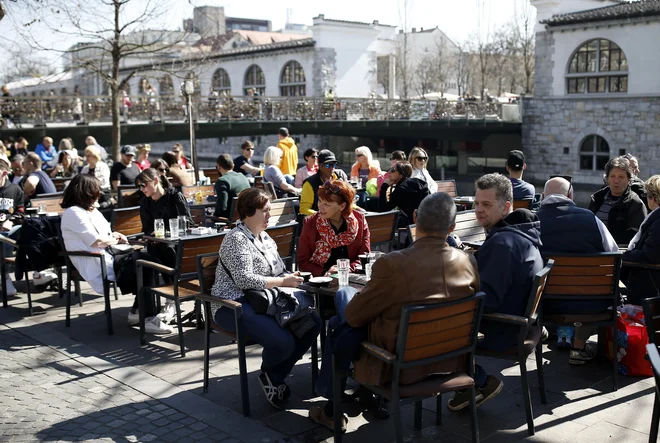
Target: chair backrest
x=268, y=187
x=652, y=318
x=189, y=248
x=213, y=174
x=258, y=180
x=52, y=204
x=50, y=195
x=206, y=266
x=536, y=293
x=447, y=186
x=584, y=276
x=60, y=183
x=523, y=204
x=128, y=196
x=207, y=190
x=382, y=228
x=433, y=332
x=281, y=212
x=285, y=238
x=412, y=233
x=467, y=227
x=127, y=221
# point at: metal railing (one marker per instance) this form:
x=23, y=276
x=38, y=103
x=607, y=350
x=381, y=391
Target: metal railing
x=18, y=111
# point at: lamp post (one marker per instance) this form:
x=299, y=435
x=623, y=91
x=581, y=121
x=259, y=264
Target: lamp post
x=187, y=90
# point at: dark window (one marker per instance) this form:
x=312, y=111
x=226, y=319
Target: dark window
x=593, y=59
x=254, y=79
x=594, y=153
x=292, y=80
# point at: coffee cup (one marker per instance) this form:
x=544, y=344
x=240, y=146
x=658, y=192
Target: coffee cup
x=306, y=275
x=364, y=259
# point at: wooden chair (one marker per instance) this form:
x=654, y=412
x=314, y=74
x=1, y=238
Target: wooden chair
x=52, y=204
x=447, y=186
x=128, y=196
x=652, y=318
x=523, y=204
x=185, y=285
x=382, y=228
x=213, y=174
x=585, y=277
x=282, y=212
x=412, y=233
x=127, y=221
x=5, y=263
x=60, y=183
x=636, y=269
x=206, y=266
x=428, y=333
x=529, y=339
x=51, y=195
x=268, y=187
x=654, y=356
x=285, y=238
x=468, y=228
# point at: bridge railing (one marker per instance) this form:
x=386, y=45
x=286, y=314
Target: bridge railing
x=141, y=109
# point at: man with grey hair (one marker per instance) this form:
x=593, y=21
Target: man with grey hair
x=429, y=271
x=508, y=261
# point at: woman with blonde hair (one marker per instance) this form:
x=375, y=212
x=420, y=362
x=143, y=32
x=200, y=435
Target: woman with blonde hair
x=142, y=161
x=283, y=183
x=96, y=167
x=419, y=159
x=365, y=168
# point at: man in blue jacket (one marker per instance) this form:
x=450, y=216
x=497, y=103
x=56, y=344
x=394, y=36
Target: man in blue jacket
x=507, y=261
x=46, y=152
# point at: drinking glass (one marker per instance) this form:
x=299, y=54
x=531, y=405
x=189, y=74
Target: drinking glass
x=343, y=265
x=174, y=228
x=367, y=271
x=159, y=228
x=183, y=225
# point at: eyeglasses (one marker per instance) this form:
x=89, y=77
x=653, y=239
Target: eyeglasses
x=329, y=165
x=332, y=188
x=314, y=156
x=249, y=149
x=162, y=169
x=359, y=155
x=422, y=159
x=144, y=185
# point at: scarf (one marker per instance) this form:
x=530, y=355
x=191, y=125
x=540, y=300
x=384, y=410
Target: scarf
x=329, y=240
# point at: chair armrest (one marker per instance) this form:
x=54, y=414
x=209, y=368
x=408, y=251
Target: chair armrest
x=81, y=254
x=217, y=219
x=156, y=266
x=506, y=318
x=632, y=264
x=8, y=241
x=378, y=352
x=231, y=304
x=472, y=245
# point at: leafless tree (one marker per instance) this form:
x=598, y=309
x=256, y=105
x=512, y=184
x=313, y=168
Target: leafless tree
x=462, y=68
x=443, y=61
x=524, y=19
x=425, y=74
x=26, y=64
x=404, y=69
x=113, y=34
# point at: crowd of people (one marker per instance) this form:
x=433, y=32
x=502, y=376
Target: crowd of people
x=432, y=269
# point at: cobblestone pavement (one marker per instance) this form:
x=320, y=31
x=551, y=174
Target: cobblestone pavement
x=48, y=396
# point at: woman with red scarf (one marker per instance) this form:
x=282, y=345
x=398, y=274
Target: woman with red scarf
x=336, y=231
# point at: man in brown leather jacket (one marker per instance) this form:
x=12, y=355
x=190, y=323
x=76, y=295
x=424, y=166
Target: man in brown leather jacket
x=429, y=271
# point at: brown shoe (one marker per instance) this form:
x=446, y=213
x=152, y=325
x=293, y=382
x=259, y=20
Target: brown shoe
x=318, y=415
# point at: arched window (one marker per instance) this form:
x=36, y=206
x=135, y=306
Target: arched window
x=598, y=66
x=594, y=153
x=165, y=86
x=292, y=80
x=220, y=82
x=254, y=79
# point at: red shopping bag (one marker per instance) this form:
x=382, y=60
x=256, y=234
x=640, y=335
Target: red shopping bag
x=631, y=340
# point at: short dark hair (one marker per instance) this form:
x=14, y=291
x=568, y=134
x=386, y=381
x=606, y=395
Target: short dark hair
x=83, y=191
x=250, y=201
x=35, y=160
x=159, y=163
x=284, y=132
x=404, y=168
x=620, y=163
x=501, y=184
x=309, y=152
x=170, y=158
x=225, y=162
x=247, y=144
x=398, y=155
x=149, y=175
x=436, y=214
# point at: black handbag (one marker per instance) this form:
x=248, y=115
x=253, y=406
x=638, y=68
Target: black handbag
x=259, y=299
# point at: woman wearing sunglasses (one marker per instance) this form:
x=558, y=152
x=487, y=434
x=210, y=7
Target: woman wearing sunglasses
x=419, y=159
x=335, y=231
x=161, y=166
x=402, y=191
x=311, y=167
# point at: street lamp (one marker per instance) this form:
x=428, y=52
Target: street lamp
x=187, y=90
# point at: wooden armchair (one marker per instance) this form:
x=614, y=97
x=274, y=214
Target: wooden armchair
x=428, y=334
x=382, y=228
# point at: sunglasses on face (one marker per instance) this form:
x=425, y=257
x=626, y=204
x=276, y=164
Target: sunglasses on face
x=329, y=165
x=359, y=155
x=422, y=159
x=144, y=185
x=314, y=156
x=162, y=170
x=249, y=149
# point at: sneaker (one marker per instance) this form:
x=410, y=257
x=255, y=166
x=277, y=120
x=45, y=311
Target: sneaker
x=43, y=277
x=274, y=394
x=11, y=290
x=581, y=356
x=153, y=325
x=493, y=387
x=167, y=313
x=318, y=415
x=133, y=319
x=461, y=400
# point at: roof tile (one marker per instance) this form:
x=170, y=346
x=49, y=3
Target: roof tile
x=636, y=9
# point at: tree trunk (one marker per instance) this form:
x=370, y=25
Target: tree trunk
x=116, y=121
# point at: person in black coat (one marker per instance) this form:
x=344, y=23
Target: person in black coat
x=617, y=206
x=644, y=248
x=401, y=191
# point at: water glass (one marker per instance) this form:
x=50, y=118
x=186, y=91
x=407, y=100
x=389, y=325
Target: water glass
x=367, y=270
x=183, y=225
x=174, y=228
x=343, y=265
x=159, y=228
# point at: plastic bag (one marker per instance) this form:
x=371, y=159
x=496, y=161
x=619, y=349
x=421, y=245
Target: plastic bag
x=372, y=186
x=631, y=340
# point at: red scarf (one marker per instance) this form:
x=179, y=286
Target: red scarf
x=329, y=240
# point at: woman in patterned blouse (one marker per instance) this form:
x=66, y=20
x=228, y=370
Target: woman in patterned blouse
x=249, y=260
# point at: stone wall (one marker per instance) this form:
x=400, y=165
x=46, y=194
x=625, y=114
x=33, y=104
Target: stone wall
x=543, y=64
x=553, y=130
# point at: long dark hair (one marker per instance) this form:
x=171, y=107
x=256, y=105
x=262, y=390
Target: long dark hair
x=169, y=158
x=149, y=175
x=83, y=191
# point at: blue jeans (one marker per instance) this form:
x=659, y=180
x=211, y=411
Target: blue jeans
x=12, y=234
x=281, y=349
x=342, y=340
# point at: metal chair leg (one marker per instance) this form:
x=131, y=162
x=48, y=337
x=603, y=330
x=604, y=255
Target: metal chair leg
x=114, y=287
x=108, y=309
x=336, y=402
x=177, y=305
x=418, y=415
x=539, y=372
x=396, y=412
x=438, y=409
x=76, y=283
x=29, y=294
x=315, y=365
x=3, y=278
x=67, y=322
x=615, y=371
x=653, y=435
x=527, y=400
x=473, y=414
x=207, y=347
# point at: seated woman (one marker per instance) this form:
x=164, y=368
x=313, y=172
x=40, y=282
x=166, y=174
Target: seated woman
x=644, y=248
x=620, y=209
x=249, y=260
x=85, y=229
x=364, y=169
x=65, y=168
x=160, y=166
x=96, y=167
x=180, y=176
x=418, y=160
x=402, y=191
x=311, y=167
x=396, y=157
x=335, y=231
x=273, y=174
